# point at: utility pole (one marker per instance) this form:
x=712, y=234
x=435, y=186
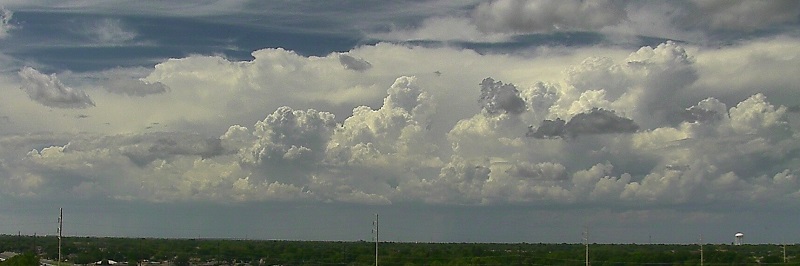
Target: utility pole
x=60, y=231
x=375, y=230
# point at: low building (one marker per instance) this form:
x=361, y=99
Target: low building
x=7, y=255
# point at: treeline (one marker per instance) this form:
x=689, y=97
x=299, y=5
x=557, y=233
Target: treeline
x=86, y=250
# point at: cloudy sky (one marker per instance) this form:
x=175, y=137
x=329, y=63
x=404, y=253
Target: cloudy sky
x=456, y=121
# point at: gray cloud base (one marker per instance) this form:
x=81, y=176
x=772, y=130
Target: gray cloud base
x=49, y=91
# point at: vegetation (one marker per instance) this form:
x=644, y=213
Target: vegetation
x=86, y=250
x=26, y=259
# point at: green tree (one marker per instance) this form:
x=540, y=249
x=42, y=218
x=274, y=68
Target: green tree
x=25, y=259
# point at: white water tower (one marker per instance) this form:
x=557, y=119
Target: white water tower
x=739, y=239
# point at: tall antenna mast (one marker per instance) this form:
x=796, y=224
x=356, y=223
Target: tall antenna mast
x=586, y=242
x=784, y=252
x=701, y=249
x=60, y=231
x=375, y=230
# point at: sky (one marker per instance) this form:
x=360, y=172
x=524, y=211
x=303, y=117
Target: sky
x=455, y=121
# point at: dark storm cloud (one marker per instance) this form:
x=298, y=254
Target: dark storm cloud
x=49, y=91
x=353, y=63
x=597, y=121
x=497, y=98
x=144, y=149
x=549, y=129
x=600, y=121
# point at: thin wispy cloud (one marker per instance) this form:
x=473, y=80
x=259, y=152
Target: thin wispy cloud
x=109, y=32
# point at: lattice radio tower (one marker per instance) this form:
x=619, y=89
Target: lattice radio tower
x=375, y=231
x=586, y=242
x=60, y=231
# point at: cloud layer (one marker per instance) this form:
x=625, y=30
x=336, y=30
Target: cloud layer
x=454, y=118
x=621, y=21
x=630, y=130
x=521, y=16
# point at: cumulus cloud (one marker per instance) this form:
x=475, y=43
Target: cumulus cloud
x=756, y=115
x=525, y=16
x=5, y=22
x=650, y=85
x=497, y=98
x=291, y=135
x=49, y=91
x=396, y=132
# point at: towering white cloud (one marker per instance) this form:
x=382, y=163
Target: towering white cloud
x=396, y=133
x=49, y=91
x=757, y=116
x=291, y=135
